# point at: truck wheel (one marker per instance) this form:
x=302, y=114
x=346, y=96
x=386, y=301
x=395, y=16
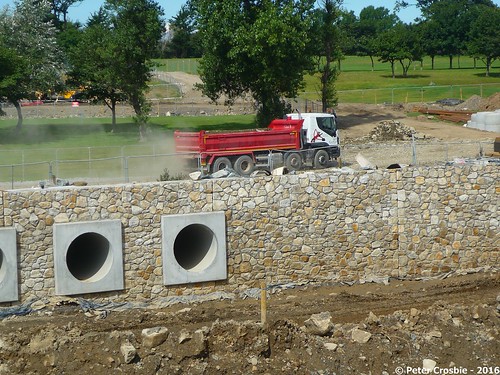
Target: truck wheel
x=293, y=161
x=221, y=163
x=321, y=159
x=244, y=165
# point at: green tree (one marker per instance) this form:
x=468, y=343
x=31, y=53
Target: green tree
x=184, y=41
x=400, y=44
x=372, y=22
x=484, y=36
x=135, y=30
x=93, y=67
x=11, y=73
x=328, y=34
x=59, y=10
x=261, y=48
x=450, y=22
x=429, y=31
x=27, y=32
x=348, y=40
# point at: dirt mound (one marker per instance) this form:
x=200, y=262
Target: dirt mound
x=393, y=131
x=478, y=104
x=492, y=103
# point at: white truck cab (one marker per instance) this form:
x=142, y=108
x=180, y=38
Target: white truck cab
x=321, y=136
x=321, y=128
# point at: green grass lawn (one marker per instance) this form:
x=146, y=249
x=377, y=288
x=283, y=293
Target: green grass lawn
x=358, y=83
x=71, y=134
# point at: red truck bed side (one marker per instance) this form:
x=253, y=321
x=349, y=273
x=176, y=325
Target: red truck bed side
x=280, y=134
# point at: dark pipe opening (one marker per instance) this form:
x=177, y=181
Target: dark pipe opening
x=86, y=255
x=192, y=245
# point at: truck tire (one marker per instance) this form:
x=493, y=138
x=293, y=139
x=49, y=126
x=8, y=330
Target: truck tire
x=293, y=161
x=244, y=165
x=221, y=163
x=321, y=159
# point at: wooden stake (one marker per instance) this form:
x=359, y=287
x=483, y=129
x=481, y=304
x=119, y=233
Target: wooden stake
x=263, y=303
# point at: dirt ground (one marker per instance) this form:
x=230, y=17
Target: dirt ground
x=389, y=327
x=375, y=328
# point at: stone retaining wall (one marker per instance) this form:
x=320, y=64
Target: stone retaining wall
x=310, y=227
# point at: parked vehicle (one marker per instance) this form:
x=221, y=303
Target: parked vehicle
x=310, y=139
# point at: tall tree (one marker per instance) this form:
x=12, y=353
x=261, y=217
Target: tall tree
x=93, y=67
x=400, y=44
x=484, y=36
x=136, y=27
x=27, y=32
x=59, y=10
x=261, y=48
x=184, y=42
x=429, y=30
x=450, y=22
x=12, y=72
x=329, y=51
x=373, y=22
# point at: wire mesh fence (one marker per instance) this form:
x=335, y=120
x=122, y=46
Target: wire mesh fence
x=143, y=163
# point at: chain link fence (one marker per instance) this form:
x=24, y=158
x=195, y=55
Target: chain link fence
x=153, y=163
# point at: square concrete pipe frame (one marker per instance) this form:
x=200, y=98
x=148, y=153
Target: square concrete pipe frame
x=194, y=248
x=9, y=291
x=88, y=257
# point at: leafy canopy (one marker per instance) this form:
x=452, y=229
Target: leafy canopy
x=261, y=48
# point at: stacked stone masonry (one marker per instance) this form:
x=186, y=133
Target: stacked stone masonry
x=306, y=228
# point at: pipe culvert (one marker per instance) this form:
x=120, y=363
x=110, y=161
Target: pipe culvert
x=88, y=257
x=194, y=248
x=8, y=265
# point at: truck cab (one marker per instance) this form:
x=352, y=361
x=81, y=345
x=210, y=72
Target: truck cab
x=320, y=128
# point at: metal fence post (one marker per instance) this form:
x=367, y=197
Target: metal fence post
x=125, y=168
x=414, y=150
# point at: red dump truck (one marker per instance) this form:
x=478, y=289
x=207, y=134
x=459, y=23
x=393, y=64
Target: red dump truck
x=308, y=139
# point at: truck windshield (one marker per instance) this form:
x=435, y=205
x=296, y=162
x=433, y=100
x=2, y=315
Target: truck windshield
x=327, y=124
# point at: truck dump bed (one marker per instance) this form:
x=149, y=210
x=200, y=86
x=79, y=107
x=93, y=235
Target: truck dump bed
x=280, y=134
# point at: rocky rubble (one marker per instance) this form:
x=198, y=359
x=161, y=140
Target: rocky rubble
x=393, y=131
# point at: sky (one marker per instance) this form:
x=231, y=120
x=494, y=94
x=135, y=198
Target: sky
x=82, y=11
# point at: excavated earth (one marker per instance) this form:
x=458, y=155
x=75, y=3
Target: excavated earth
x=372, y=328
x=388, y=327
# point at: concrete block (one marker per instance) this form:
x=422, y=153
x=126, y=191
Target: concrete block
x=88, y=257
x=194, y=248
x=9, y=290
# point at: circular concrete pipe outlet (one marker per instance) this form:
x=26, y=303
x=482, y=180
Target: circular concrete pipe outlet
x=195, y=247
x=2, y=266
x=8, y=265
x=88, y=257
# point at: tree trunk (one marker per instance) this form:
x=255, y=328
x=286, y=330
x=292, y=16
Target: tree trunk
x=113, y=115
x=373, y=64
x=451, y=61
x=432, y=62
x=19, y=124
x=405, y=68
x=488, y=64
x=392, y=68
